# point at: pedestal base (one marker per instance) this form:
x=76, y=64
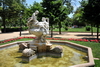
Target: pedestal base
x=38, y=55
x=27, y=59
x=40, y=47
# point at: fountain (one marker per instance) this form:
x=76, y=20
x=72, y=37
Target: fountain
x=39, y=46
x=42, y=53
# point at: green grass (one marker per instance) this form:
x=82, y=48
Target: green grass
x=76, y=29
x=62, y=29
x=97, y=63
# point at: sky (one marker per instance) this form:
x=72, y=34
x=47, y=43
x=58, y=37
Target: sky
x=75, y=3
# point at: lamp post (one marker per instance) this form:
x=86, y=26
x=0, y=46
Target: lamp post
x=20, y=22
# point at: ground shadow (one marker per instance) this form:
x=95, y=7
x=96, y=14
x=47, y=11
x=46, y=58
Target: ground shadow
x=5, y=32
x=90, y=38
x=57, y=33
x=85, y=35
x=25, y=34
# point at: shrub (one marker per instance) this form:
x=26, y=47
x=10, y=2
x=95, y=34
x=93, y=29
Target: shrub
x=88, y=28
x=14, y=29
x=66, y=28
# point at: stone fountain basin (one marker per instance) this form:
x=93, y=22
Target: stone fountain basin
x=70, y=44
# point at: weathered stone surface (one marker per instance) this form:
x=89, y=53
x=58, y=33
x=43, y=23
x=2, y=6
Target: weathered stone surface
x=27, y=59
x=33, y=47
x=57, y=49
x=40, y=29
x=48, y=47
x=22, y=46
x=28, y=52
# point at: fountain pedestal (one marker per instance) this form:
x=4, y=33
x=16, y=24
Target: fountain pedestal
x=40, y=46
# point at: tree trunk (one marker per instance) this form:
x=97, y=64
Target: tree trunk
x=59, y=27
x=97, y=31
x=4, y=25
x=51, y=31
x=91, y=30
x=3, y=19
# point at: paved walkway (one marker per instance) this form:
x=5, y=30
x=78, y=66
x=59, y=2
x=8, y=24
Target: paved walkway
x=75, y=35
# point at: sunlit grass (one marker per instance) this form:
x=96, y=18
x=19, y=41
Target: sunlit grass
x=83, y=29
x=97, y=63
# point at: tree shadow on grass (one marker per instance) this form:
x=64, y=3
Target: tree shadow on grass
x=85, y=35
x=90, y=38
x=6, y=32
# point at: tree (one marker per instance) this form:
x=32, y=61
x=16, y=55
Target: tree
x=32, y=8
x=92, y=14
x=10, y=10
x=56, y=11
x=50, y=11
x=77, y=17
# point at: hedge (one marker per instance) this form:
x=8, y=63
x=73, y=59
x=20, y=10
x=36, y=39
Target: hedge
x=14, y=29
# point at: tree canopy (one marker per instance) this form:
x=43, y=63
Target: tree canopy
x=92, y=13
x=9, y=10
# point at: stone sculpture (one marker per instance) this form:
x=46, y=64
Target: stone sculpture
x=28, y=52
x=22, y=46
x=57, y=49
x=40, y=29
x=39, y=46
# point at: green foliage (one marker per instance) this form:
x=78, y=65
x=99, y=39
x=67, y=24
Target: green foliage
x=55, y=10
x=62, y=29
x=66, y=28
x=13, y=29
x=91, y=12
x=83, y=29
x=10, y=10
x=77, y=18
x=88, y=28
x=32, y=8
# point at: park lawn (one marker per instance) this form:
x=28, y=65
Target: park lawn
x=57, y=29
x=77, y=30
x=83, y=29
x=97, y=63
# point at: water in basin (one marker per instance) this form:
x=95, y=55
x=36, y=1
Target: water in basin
x=12, y=58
